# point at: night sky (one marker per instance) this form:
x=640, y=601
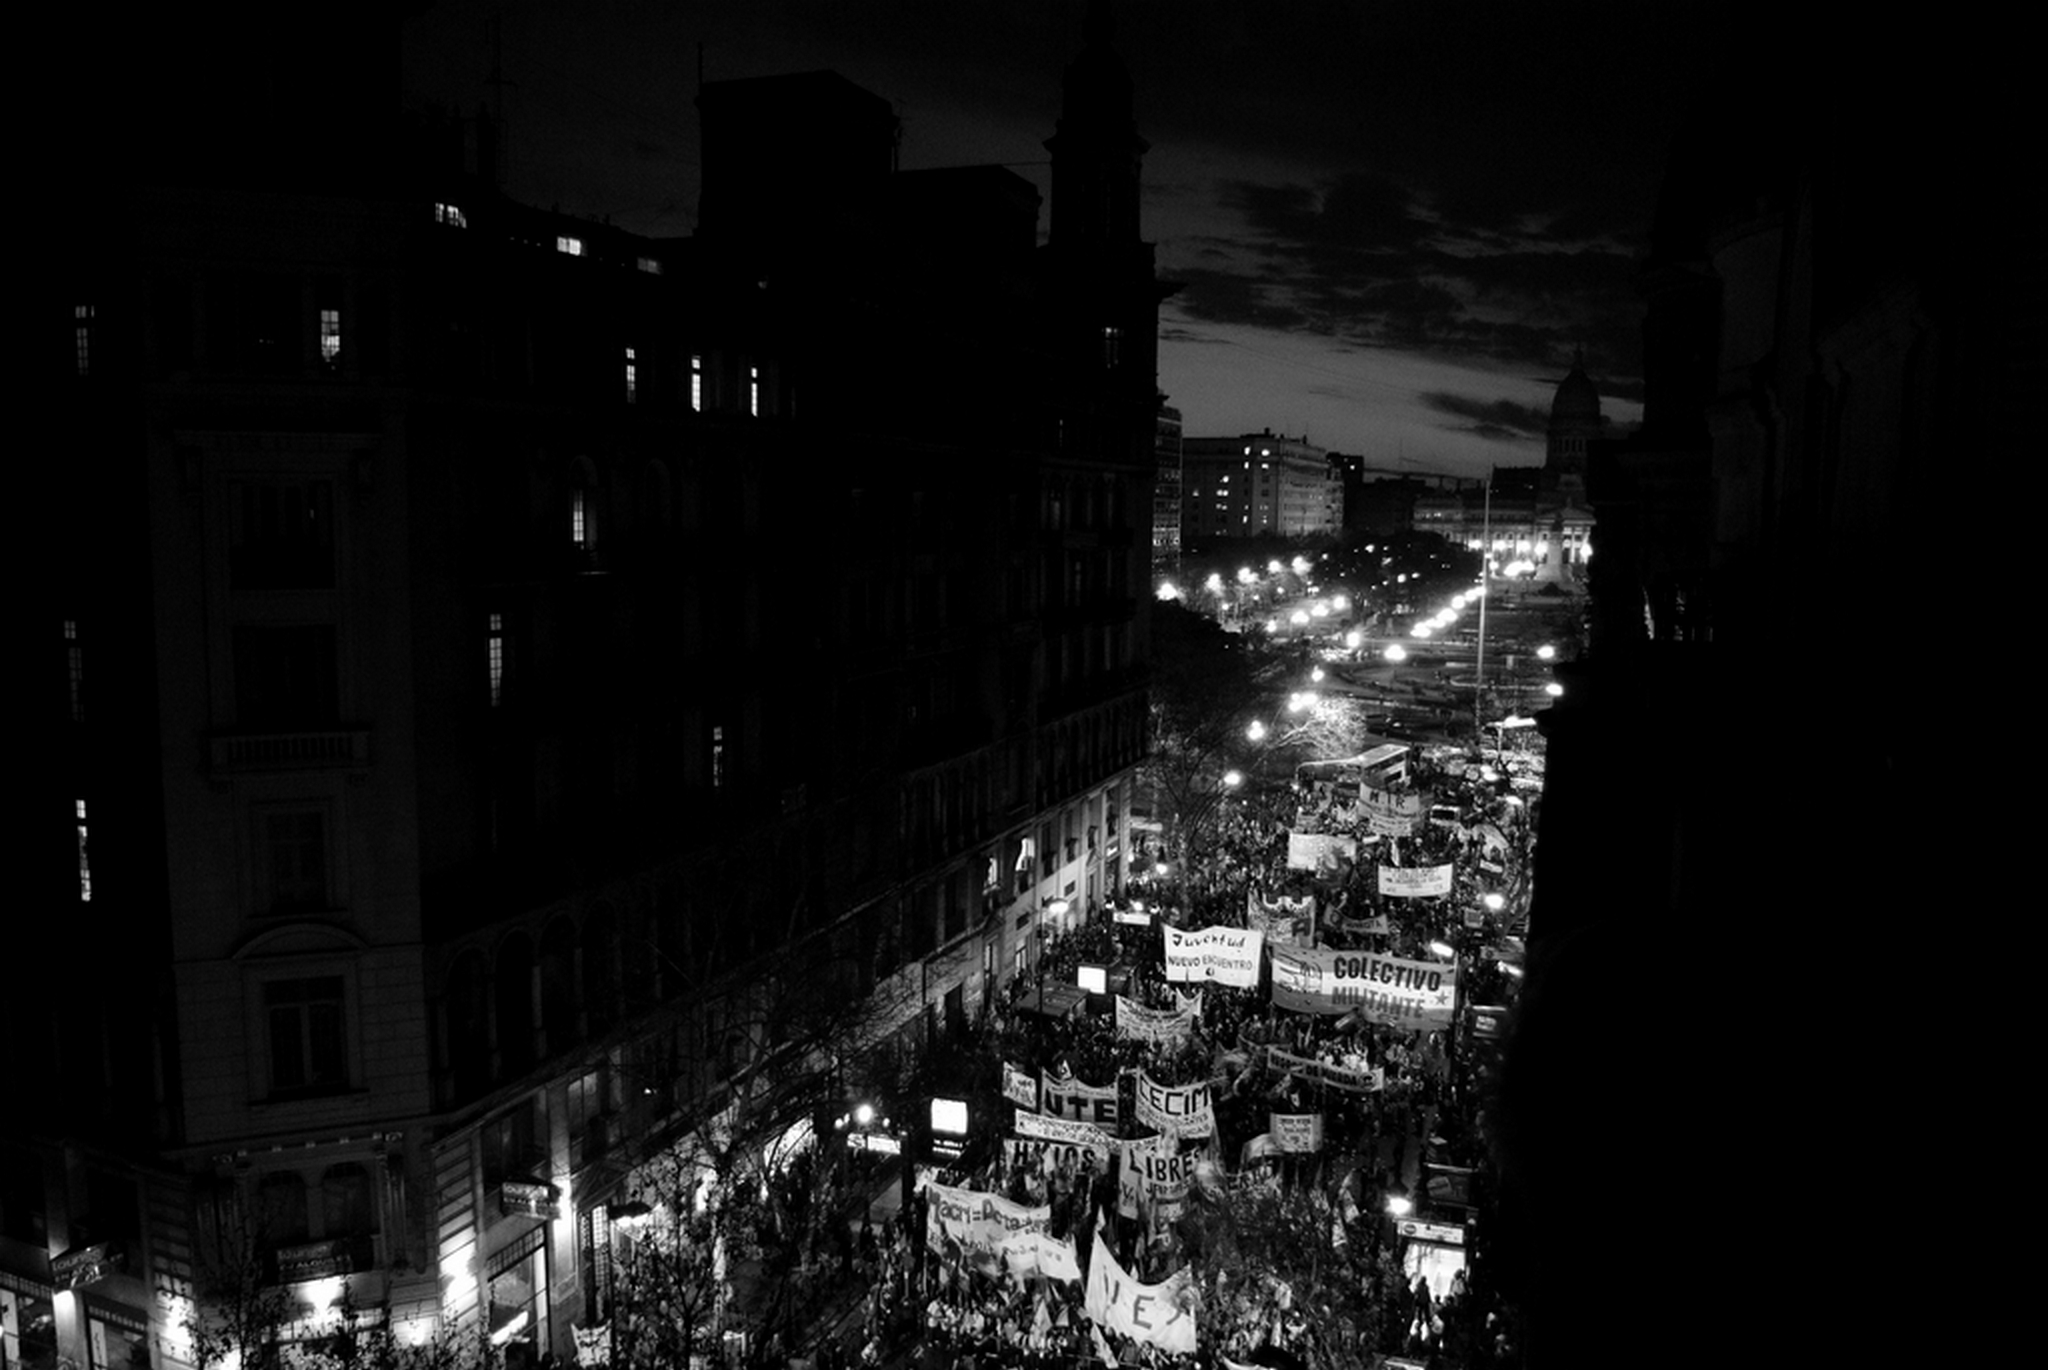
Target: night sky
x=1393, y=222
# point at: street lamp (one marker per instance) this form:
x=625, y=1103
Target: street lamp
x=1232, y=779
x=1256, y=731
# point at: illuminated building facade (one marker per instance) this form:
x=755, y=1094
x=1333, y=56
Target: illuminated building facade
x=486, y=640
x=1259, y=485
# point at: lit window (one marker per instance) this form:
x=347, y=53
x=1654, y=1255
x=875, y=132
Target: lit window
x=308, y=1048
x=632, y=378
x=330, y=336
x=569, y=247
x=74, y=666
x=497, y=659
x=84, y=860
x=450, y=215
x=754, y=390
x=696, y=383
x=717, y=756
x=650, y=266
x=1112, y=347
x=579, y=526
x=81, y=315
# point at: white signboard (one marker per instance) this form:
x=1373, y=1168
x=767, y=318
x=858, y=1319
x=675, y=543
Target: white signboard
x=1228, y=956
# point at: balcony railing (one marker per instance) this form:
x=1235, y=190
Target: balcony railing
x=323, y=749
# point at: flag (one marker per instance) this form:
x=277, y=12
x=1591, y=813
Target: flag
x=1101, y=1346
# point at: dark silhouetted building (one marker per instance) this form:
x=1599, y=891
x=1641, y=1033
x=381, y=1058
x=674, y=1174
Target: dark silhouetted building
x=477, y=644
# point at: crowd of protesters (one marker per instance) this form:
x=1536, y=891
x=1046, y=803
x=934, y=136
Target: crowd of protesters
x=1419, y=1113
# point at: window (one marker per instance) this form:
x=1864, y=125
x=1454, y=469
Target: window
x=84, y=860
x=284, y=676
x=650, y=266
x=74, y=669
x=1112, y=347
x=81, y=316
x=717, y=756
x=330, y=339
x=579, y=517
x=569, y=247
x=281, y=534
x=696, y=382
x=307, y=1047
x=587, y=1135
x=495, y=642
x=450, y=215
x=754, y=391
x=281, y=1209
x=632, y=377
x=348, y=1210
x=295, y=860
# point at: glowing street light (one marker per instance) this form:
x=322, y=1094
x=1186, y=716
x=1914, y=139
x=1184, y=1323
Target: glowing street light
x=1443, y=949
x=1399, y=1206
x=864, y=1114
x=1301, y=566
x=1214, y=584
x=1553, y=689
x=1299, y=618
x=1232, y=779
x=1168, y=590
x=1316, y=674
x=1545, y=652
x=1494, y=901
x=1395, y=653
x=1256, y=731
x=1354, y=639
x=1274, y=568
x=1245, y=575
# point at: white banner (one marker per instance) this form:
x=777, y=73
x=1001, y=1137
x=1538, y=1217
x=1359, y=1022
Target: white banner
x=1296, y=1131
x=1228, y=956
x=1161, y=1314
x=1165, y=1026
x=1020, y=1086
x=1087, y=1136
x=968, y=1225
x=1176, y=1110
x=1390, y=813
x=1414, y=882
x=1309, y=851
x=1036, y=1253
x=1384, y=989
x=1066, y=1097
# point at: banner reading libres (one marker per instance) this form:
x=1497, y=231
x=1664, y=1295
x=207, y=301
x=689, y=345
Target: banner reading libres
x=1386, y=989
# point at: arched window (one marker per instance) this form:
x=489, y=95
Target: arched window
x=601, y=969
x=514, y=992
x=281, y=1210
x=348, y=1206
x=468, y=1010
x=558, y=1008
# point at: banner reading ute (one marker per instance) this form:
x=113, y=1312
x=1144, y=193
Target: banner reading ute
x=1384, y=989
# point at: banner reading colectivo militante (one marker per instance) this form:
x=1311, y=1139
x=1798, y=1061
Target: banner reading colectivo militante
x=1391, y=813
x=1229, y=956
x=1414, y=882
x=1176, y=1110
x=1167, y=1026
x=1308, y=851
x=976, y=1225
x=1384, y=989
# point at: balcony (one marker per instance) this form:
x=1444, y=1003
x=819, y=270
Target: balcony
x=321, y=749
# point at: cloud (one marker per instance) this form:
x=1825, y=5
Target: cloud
x=1503, y=420
x=1227, y=297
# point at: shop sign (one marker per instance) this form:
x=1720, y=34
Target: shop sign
x=1139, y=917
x=85, y=1265
x=527, y=1199
x=312, y=1261
x=1449, y=1234
x=874, y=1141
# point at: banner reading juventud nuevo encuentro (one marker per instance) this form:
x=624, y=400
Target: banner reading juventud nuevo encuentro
x=1385, y=989
x=1228, y=956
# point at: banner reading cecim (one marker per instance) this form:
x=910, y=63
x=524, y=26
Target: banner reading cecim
x=1385, y=989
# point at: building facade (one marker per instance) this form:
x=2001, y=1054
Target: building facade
x=1259, y=485
x=497, y=655
x=1166, y=498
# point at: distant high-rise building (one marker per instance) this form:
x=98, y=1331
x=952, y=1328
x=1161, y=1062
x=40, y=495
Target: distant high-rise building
x=482, y=648
x=1166, y=497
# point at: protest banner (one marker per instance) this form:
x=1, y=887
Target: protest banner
x=1162, y=1315
x=1020, y=1086
x=1378, y=925
x=1326, y=1072
x=1383, y=989
x=1309, y=851
x=1038, y=1253
x=1389, y=813
x=1221, y=955
x=1066, y=1097
x=1295, y=1131
x=1165, y=1026
x=969, y=1226
x=1059, y=1131
x=1283, y=920
x=1176, y=1110
x=1414, y=882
